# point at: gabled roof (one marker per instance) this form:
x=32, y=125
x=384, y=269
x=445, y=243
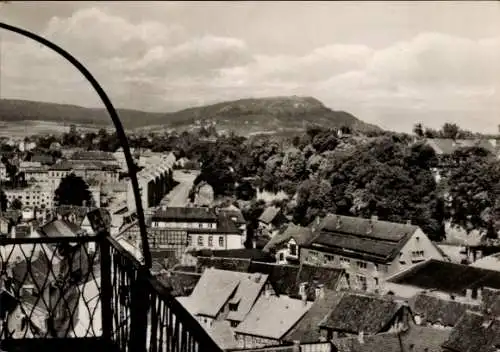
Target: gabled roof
x=356, y=313
x=99, y=219
x=447, y=277
x=272, y=317
x=59, y=228
x=374, y=240
x=307, y=329
x=269, y=214
x=234, y=214
x=216, y=287
x=447, y=146
x=185, y=214
x=475, y=332
x=300, y=234
x=434, y=310
x=416, y=339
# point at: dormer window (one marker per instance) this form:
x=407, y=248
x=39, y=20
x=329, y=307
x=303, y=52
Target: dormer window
x=293, y=249
x=233, y=304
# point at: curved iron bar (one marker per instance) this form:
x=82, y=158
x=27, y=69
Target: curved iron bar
x=116, y=121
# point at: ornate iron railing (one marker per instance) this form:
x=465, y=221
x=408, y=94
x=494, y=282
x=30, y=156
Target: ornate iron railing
x=88, y=289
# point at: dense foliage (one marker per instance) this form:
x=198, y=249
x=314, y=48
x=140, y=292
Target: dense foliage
x=73, y=190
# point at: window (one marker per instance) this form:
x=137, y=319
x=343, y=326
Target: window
x=328, y=258
x=281, y=256
x=200, y=225
x=210, y=241
x=293, y=249
x=200, y=240
x=345, y=261
x=376, y=281
x=234, y=323
x=221, y=241
x=361, y=265
x=417, y=254
x=313, y=256
x=362, y=282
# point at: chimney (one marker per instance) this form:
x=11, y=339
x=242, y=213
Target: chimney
x=319, y=292
x=468, y=293
x=303, y=293
x=479, y=294
x=408, y=222
x=296, y=346
x=371, y=223
x=361, y=337
x=339, y=222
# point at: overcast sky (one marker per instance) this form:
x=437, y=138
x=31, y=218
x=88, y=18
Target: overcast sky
x=389, y=63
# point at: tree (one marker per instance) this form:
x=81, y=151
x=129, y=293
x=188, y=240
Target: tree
x=73, y=190
x=3, y=200
x=16, y=204
x=450, y=130
x=474, y=191
x=418, y=129
x=313, y=199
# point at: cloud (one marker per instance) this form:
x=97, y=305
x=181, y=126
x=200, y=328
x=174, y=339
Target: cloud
x=156, y=66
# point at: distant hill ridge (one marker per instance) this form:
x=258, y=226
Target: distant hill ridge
x=255, y=113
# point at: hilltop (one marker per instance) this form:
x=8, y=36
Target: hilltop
x=243, y=116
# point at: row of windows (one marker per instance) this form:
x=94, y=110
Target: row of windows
x=201, y=241
x=330, y=258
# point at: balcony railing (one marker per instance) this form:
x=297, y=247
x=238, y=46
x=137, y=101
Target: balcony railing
x=84, y=293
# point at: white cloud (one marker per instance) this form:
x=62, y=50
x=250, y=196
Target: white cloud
x=155, y=66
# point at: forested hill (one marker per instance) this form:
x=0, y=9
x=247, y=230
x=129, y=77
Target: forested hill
x=263, y=114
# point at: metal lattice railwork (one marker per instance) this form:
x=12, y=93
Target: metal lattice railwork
x=88, y=292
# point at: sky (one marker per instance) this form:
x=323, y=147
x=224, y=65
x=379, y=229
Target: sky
x=388, y=63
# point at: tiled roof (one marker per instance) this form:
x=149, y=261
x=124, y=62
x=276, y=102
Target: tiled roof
x=356, y=313
x=93, y=155
x=59, y=228
x=491, y=262
x=447, y=277
x=448, y=146
x=491, y=300
x=100, y=219
x=373, y=239
x=272, y=317
x=300, y=234
x=22, y=231
x=282, y=277
x=416, y=339
x=433, y=309
x=475, y=332
x=307, y=329
x=222, y=333
x=232, y=264
x=185, y=214
x=224, y=226
x=269, y=214
x=216, y=287
x=241, y=253
x=234, y=214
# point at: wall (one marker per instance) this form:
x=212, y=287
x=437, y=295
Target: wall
x=316, y=347
x=246, y=341
x=419, y=242
x=185, y=225
x=219, y=241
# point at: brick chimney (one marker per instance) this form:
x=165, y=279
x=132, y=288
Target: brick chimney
x=361, y=337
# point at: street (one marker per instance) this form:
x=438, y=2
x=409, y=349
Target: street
x=179, y=196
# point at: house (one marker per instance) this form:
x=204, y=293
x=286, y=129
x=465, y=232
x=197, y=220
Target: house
x=5, y=226
x=271, y=220
x=465, y=283
x=490, y=262
x=204, y=195
x=286, y=244
x=187, y=229
x=476, y=331
x=438, y=312
x=369, y=249
x=269, y=321
x=415, y=339
x=237, y=217
x=357, y=314
x=290, y=280
x=222, y=295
